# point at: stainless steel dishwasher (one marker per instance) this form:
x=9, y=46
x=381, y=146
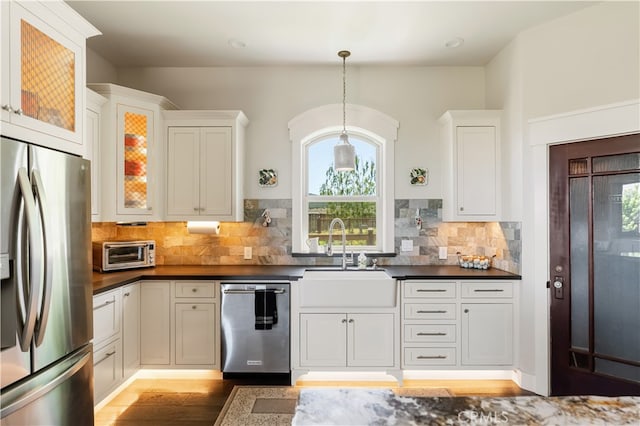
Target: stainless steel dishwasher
x=255, y=340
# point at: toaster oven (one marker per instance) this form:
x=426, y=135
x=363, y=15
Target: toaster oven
x=118, y=255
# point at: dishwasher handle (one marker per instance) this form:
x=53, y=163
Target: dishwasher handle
x=232, y=291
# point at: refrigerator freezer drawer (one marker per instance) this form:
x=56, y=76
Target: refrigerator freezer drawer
x=58, y=395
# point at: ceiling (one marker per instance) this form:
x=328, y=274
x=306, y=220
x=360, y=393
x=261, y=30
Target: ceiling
x=278, y=33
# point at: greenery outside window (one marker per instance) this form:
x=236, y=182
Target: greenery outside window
x=352, y=196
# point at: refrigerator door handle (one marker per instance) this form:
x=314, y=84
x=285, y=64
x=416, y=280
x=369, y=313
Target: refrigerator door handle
x=31, y=283
x=41, y=324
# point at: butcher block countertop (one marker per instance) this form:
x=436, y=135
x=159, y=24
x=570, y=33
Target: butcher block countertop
x=109, y=280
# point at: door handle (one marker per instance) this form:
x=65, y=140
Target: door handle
x=29, y=282
x=47, y=279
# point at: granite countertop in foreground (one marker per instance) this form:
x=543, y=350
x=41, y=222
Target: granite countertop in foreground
x=106, y=281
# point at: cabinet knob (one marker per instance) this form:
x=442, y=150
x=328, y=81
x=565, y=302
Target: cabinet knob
x=7, y=108
x=351, y=321
x=193, y=307
x=466, y=311
x=461, y=209
x=196, y=209
x=126, y=294
x=195, y=290
x=344, y=320
x=149, y=208
x=18, y=111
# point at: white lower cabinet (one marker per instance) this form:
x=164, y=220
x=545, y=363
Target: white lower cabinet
x=347, y=340
x=107, y=369
x=195, y=333
x=457, y=324
x=116, y=344
x=179, y=325
x=130, y=329
x=155, y=323
x=487, y=334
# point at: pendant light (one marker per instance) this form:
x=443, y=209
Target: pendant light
x=344, y=154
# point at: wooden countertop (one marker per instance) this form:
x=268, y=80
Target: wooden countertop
x=109, y=280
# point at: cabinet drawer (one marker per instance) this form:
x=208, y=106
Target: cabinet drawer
x=107, y=369
x=432, y=311
x=487, y=290
x=429, y=333
x=429, y=356
x=431, y=290
x=195, y=289
x=106, y=316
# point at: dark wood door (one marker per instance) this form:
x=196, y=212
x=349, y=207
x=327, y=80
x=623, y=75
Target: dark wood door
x=595, y=267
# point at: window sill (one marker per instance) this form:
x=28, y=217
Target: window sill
x=370, y=254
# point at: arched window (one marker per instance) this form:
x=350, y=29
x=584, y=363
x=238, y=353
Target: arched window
x=363, y=198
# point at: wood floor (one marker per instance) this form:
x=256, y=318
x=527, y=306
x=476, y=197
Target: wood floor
x=195, y=402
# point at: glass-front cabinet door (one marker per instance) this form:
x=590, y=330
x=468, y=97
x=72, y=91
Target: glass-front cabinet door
x=43, y=88
x=135, y=138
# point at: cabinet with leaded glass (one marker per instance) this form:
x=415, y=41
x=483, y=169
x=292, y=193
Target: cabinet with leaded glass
x=43, y=73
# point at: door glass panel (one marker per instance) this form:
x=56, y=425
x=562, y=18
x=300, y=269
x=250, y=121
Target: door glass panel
x=47, y=78
x=579, y=166
x=614, y=163
x=616, y=267
x=579, y=233
x=617, y=369
x=135, y=160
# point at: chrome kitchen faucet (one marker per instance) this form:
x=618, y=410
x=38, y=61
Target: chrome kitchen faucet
x=344, y=241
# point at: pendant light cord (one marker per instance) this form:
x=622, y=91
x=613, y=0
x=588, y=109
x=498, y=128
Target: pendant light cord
x=344, y=54
x=344, y=94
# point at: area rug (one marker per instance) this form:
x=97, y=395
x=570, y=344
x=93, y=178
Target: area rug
x=276, y=405
x=347, y=407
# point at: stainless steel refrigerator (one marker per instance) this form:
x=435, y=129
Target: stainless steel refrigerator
x=46, y=365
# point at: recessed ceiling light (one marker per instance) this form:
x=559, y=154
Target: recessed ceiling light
x=237, y=44
x=454, y=42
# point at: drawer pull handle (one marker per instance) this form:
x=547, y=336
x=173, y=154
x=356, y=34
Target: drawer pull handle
x=108, y=302
x=432, y=312
x=195, y=290
x=432, y=357
x=431, y=290
x=107, y=355
x=432, y=334
x=127, y=294
x=489, y=290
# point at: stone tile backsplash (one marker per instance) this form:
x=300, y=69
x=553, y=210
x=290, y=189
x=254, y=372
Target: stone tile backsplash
x=272, y=245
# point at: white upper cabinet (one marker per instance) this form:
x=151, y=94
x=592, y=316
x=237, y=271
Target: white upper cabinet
x=471, y=166
x=131, y=154
x=43, y=73
x=205, y=153
x=92, y=143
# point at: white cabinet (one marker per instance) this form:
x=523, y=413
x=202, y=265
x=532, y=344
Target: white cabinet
x=323, y=340
x=457, y=324
x=195, y=333
x=179, y=324
x=43, y=73
x=116, y=337
x=107, y=369
x=130, y=329
x=204, y=165
x=347, y=340
x=197, y=337
x=107, y=343
x=487, y=334
x=131, y=154
x=92, y=143
x=471, y=165
x=155, y=322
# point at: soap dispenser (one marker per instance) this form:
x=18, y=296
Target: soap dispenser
x=362, y=261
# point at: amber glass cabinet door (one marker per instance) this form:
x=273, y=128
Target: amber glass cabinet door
x=595, y=267
x=43, y=88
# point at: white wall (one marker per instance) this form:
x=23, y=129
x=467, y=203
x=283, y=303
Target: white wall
x=99, y=70
x=271, y=96
x=583, y=60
